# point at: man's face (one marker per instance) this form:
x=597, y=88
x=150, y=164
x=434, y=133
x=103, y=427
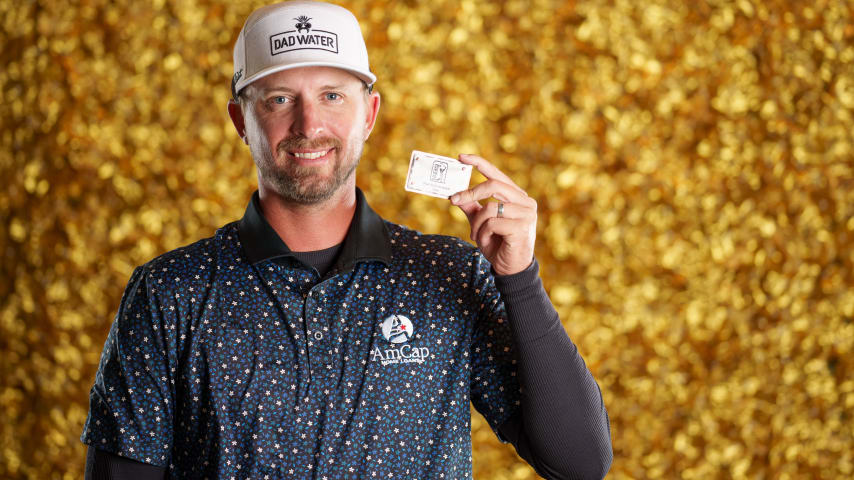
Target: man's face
x=306, y=128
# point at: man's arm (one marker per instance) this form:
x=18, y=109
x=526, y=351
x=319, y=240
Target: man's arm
x=103, y=465
x=563, y=429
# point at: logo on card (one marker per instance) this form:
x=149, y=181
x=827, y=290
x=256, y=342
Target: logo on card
x=439, y=171
x=303, y=38
x=397, y=330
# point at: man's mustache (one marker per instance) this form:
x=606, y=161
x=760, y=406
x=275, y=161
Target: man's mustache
x=299, y=142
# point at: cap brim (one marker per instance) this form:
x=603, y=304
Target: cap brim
x=366, y=77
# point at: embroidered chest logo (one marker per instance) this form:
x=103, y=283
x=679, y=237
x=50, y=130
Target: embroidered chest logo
x=397, y=330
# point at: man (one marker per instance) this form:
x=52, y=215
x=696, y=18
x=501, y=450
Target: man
x=313, y=339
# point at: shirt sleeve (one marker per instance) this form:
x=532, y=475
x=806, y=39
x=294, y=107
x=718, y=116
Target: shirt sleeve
x=494, y=382
x=131, y=403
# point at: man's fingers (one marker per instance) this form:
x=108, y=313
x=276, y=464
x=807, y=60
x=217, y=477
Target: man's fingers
x=491, y=189
x=507, y=240
x=505, y=228
x=488, y=170
x=490, y=210
x=470, y=209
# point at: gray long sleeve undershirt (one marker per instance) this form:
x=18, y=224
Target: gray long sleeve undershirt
x=563, y=429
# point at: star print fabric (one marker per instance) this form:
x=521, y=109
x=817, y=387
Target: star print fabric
x=131, y=401
x=216, y=367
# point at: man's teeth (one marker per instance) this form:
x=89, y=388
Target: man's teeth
x=311, y=155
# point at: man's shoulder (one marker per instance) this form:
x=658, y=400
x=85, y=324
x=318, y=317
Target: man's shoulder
x=405, y=239
x=197, y=260
x=414, y=246
x=439, y=256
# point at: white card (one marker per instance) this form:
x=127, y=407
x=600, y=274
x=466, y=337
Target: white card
x=436, y=175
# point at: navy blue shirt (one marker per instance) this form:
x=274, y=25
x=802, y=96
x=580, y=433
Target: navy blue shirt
x=228, y=358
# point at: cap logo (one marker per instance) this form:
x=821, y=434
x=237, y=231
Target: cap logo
x=234, y=80
x=302, y=24
x=303, y=38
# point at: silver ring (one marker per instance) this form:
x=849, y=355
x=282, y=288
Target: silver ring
x=500, y=210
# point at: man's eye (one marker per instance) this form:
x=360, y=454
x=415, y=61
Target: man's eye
x=279, y=100
x=333, y=96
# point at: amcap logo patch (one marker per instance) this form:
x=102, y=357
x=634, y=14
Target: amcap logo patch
x=302, y=38
x=398, y=330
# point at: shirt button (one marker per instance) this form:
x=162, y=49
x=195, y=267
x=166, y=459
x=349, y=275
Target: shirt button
x=318, y=335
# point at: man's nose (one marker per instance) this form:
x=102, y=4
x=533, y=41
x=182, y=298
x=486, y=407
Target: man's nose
x=308, y=120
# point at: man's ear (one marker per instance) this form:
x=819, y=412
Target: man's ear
x=236, y=114
x=373, y=108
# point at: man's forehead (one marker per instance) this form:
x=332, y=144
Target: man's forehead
x=307, y=78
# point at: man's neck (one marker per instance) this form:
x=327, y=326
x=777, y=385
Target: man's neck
x=306, y=228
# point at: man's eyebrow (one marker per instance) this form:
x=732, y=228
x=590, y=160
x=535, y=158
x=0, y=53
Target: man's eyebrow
x=268, y=90
x=265, y=91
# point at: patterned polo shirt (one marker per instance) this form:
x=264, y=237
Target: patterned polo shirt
x=228, y=358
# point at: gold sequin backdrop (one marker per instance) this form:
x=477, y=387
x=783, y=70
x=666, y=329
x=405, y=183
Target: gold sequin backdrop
x=692, y=161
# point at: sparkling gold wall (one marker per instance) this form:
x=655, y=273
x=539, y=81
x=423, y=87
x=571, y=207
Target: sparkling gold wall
x=692, y=159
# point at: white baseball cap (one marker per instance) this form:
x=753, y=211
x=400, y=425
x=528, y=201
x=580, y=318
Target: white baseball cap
x=299, y=34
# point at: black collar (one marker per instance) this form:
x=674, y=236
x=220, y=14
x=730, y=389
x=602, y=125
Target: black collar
x=367, y=237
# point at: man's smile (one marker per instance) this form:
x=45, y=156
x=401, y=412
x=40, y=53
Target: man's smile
x=311, y=156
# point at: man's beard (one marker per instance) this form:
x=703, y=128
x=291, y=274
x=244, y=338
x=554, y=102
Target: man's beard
x=305, y=185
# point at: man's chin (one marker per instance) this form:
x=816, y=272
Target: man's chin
x=305, y=191
x=307, y=185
